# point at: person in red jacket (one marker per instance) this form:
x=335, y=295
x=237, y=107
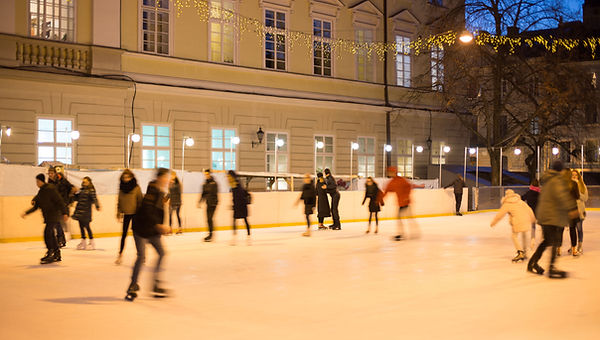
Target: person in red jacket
x=402, y=188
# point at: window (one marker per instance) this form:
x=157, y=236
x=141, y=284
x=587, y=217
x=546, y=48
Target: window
x=156, y=146
x=222, y=37
x=54, y=140
x=534, y=126
x=282, y=157
x=322, y=47
x=275, y=41
x=591, y=150
x=366, y=156
x=325, y=156
x=365, y=64
x=223, y=150
x=405, y=166
x=52, y=19
x=437, y=68
x=155, y=26
x=403, y=66
x=435, y=153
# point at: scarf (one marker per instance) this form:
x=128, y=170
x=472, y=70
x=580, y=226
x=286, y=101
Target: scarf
x=126, y=187
x=532, y=188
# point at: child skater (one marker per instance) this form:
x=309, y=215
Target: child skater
x=323, y=209
x=86, y=197
x=309, y=196
x=372, y=192
x=521, y=219
x=241, y=199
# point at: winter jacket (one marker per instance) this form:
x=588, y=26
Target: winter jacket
x=531, y=197
x=309, y=196
x=372, y=192
x=151, y=212
x=323, y=209
x=64, y=188
x=583, y=197
x=555, y=201
x=48, y=199
x=175, y=194
x=402, y=188
x=331, y=186
x=210, y=193
x=458, y=185
x=521, y=215
x=240, y=202
x=130, y=201
x=85, y=199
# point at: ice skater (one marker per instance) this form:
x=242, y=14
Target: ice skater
x=323, y=209
x=86, y=197
x=373, y=193
x=402, y=188
x=556, y=208
x=175, y=189
x=66, y=191
x=53, y=209
x=458, y=184
x=210, y=195
x=531, y=198
x=129, y=201
x=147, y=228
x=521, y=218
x=309, y=197
x=332, y=190
x=241, y=199
x=576, y=226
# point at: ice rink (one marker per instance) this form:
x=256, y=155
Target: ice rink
x=455, y=282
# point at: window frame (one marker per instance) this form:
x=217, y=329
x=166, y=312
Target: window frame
x=267, y=152
x=410, y=61
x=54, y=144
x=323, y=40
x=155, y=148
x=358, y=154
x=437, y=86
x=264, y=39
x=406, y=156
x=141, y=31
x=75, y=7
x=324, y=154
x=373, y=61
x=435, y=153
x=235, y=36
x=224, y=149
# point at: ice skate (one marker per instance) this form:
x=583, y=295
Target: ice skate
x=48, y=258
x=398, y=238
x=368, y=230
x=554, y=273
x=132, y=292
x=119, y=259
x=322, y=227
x=580, y=248
x=179, y=231
x=535, y=268
x=519, y=257
x=159, y=292
x=81, y=245
x=91, y=245
x=208, y=238
x=306, y=233
x=376, y=230
x=574, y=251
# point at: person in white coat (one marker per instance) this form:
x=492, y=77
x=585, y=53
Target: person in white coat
x=521, y=218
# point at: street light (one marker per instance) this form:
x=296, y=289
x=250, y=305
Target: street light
x=555, y=151
x=353, y=146
x=8, y=130
x=131, y=137
x=189, y=141
x=386, y=148
x=278, y=143
x=466, y=37
x=318, y=146
x=517, y=152
x=443, y=149
x=412, y=158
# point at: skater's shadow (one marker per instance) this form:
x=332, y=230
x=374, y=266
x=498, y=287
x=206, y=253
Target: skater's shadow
x=38, y=266
x=84, y=300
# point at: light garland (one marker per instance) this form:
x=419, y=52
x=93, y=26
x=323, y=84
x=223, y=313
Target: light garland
x=245, y=25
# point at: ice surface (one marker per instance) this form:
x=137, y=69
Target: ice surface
x=455, y=282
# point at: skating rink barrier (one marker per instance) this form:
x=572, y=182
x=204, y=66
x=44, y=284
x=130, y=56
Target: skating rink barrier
x=268, y=209
x=486, y=198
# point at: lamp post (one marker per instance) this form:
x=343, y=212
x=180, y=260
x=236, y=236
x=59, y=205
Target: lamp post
x=8, y=130
x=538, y=162
x=419, y=149
x=353, y=146
x=582, y=159
x=500, y=166
x=187, y=141
x=443, y=149
x=235, y=140
x=318, y=146
x=386, y=148
x=278, y=143
x=131, y=137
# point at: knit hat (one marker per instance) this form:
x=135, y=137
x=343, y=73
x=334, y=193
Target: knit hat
x=557, y=165
x=41, y=178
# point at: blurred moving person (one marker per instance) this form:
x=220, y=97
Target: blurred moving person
x=402, y=187
x=175, y=190
x=309, y=197
x=86, y=197
x=241, y=199
x=373, y=193
x=521, y=218
x=323, y=209
x=576, y=226
x=210, y=195
x=458, y=184
x=531, y=198
x=147, y=228
x=129, y=201
x=556, y=208
x=66, y=191
x=332, y=190
x=53, y=209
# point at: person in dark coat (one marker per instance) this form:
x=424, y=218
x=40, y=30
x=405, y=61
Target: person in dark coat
x=210, y=195
x=148, y=228
x=86, y=197
x=373, y=193
x=531, y=198
x=129, y=201
x=240, y=203
x=66, y=191
x=309, y=196
x=53, y=208
x=175, y=190
x=458, y=184
x=335, y=199
x=322, y=201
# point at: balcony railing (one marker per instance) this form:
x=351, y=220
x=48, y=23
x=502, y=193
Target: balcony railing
x=32, y=51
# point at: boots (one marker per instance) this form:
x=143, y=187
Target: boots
x=51, y=256
x=554, y=273
x=535, y=268
x=580, y=248
x=574, y=251
x=119, y=259
x=519, y=257
x=81, y=245
x=306, y=233
x=158, y=291
x=91, y=245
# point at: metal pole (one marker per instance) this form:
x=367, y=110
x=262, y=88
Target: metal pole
x=231, y=150
x=501, y=166
x=0, y=143
x=383, y=163
x=128, y=148
x=582, y=160
x=477, y=168
x=465, y=165
x=440, y=164
x=538, y=162
x=315, y=160
x=351, y=163
x=182, y=155
x=276, y=164
x=412, y=161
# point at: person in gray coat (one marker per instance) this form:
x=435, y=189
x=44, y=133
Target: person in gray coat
x=556, y=208
x=458, y=184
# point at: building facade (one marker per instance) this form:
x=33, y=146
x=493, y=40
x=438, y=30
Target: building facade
x=216, y=72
